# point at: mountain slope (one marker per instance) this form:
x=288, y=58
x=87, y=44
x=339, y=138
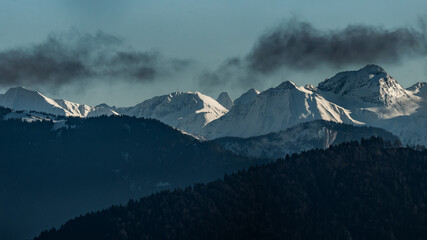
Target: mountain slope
x=22, y=99
x=92, y=163
x=187, y=111
x=19, y=98
x=247, y=97
x=419, y=88
x=275, y=109
x=352, y=191
x=302, y=137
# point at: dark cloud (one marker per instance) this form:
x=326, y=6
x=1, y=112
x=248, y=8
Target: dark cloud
x=297, y=45
x=228, y=71
x=74, y=57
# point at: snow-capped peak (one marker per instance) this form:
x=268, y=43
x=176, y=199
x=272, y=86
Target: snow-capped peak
x=18, y=89
x=103, y=105
x=15, y=92
x=284, y=86
x=225, y=100
x=275, y=109
x=371, y=84
x=103, y=109
x=19, y=98
x=247, y=97
x=287, y=85
x=188, y=111
x=373, y=68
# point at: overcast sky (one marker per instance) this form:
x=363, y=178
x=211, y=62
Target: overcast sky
x=123, y=52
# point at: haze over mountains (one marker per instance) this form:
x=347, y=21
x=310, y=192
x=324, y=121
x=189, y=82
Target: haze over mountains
x=369, y=96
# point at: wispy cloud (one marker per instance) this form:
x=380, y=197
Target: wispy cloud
x=75, y=57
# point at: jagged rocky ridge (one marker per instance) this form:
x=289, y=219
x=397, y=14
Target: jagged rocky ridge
x=225, y=100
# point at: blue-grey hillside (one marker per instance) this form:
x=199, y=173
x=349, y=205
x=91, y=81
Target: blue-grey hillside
x=302, y=137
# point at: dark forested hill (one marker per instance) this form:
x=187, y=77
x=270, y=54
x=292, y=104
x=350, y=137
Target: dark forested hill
x=4, y=111
x=48, y=176
x=350, y=191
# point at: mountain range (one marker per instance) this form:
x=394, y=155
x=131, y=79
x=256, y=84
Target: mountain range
x=369, y=96
x=19, y=98
x=60, y=159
